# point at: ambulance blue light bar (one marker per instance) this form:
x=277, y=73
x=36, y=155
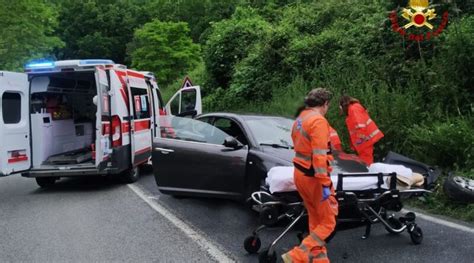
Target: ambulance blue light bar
x=45, y=64
x=96, y=62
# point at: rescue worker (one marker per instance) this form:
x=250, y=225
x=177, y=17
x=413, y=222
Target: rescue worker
x=333, y=135
x=310, y=136
x=334, y=139
x=363, y=131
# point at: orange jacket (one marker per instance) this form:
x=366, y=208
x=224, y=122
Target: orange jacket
x=362, y=129
x=334, y=139
x=310, y=136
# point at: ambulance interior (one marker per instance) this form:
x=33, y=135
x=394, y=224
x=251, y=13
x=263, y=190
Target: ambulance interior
x=63, y=118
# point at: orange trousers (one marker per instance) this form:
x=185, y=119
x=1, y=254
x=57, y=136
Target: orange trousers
x=322, y=221
x=367, y=154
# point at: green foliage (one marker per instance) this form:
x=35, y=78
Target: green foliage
x=229, y=42
x=165, y=49
x=27, y=31
x=451, y=71
x=199, y=14
x=99, y=29
x=445, y=143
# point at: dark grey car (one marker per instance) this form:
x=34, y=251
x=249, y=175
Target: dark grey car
x=226, y=155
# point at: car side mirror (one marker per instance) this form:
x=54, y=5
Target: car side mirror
x=231, y=142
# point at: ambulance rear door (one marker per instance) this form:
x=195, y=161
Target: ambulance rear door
x=141, y=113
x=15, y=147
x=103, y=146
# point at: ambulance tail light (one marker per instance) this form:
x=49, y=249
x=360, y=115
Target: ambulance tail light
x=116, y=131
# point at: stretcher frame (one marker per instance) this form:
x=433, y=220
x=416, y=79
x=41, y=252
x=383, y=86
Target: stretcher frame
x=365, y=207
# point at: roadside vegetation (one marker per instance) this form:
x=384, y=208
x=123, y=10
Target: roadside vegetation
x=263, y=56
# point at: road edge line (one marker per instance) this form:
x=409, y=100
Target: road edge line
x=441, y=221
x=202, y=241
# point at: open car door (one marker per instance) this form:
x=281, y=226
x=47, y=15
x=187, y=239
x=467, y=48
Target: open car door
x=15, y=149
x=103, y=146
x=185, y=102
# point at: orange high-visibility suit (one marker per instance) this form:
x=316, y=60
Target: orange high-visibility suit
x=363, y=131
x=312, y=166
x=334, y=139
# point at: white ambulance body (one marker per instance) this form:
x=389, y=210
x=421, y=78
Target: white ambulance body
x=82, y=117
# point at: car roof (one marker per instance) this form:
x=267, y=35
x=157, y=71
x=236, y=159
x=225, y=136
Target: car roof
x=239, y=115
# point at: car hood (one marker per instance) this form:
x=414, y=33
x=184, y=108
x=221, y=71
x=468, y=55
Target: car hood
x=343, y=162
x=285, y=155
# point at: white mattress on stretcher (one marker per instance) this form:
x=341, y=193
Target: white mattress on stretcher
x=280, y=179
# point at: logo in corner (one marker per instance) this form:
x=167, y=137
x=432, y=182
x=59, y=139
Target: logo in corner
x=419, y=15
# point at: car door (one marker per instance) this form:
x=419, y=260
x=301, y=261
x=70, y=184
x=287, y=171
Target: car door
x=15, y=150
x=187, y=101
x=191, y=159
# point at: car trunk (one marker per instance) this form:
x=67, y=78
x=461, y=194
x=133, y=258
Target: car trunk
x=63, y=117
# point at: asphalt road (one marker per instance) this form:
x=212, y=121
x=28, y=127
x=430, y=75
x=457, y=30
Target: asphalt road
x=98, y=219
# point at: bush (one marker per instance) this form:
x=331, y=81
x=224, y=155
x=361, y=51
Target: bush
x=229, y=42
x=447, y=144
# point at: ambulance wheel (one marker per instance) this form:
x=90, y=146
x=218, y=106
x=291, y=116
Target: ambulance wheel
x=45, y=182
x=416, y=235
x=252, y=244
x=263, y=257
x=131, y=175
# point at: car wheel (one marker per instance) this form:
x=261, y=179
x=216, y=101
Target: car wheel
x=459, y=188
x=131, y=175
x=45, y=182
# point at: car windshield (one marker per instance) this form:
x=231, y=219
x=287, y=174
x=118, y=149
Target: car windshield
x=186, y=129
x=271, y=131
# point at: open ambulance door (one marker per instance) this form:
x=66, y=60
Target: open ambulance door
x=185, y=102
x=15, y=147
x=103, y=146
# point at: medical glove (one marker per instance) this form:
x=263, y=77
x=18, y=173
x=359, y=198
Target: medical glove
x=326, y=193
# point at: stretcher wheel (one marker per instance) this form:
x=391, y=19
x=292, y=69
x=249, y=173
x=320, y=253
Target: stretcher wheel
x=252, y=244
x=263, y=257
x=269, y=216
x=416, y=235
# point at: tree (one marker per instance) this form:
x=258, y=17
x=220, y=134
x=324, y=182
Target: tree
x=26, y=30
x=164, y=48
x=199, y=14
x=99, y=29
x=230, y=41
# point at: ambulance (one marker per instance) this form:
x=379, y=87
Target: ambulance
x=82, y=118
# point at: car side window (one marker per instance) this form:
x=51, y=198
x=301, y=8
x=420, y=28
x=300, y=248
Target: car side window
x=186, y=129
x=205, y=119
x=232, y=128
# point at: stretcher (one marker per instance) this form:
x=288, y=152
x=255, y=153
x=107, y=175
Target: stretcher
x=371, y=204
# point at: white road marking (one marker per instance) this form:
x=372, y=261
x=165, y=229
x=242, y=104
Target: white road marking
x=202, y=241
x=442, y=222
